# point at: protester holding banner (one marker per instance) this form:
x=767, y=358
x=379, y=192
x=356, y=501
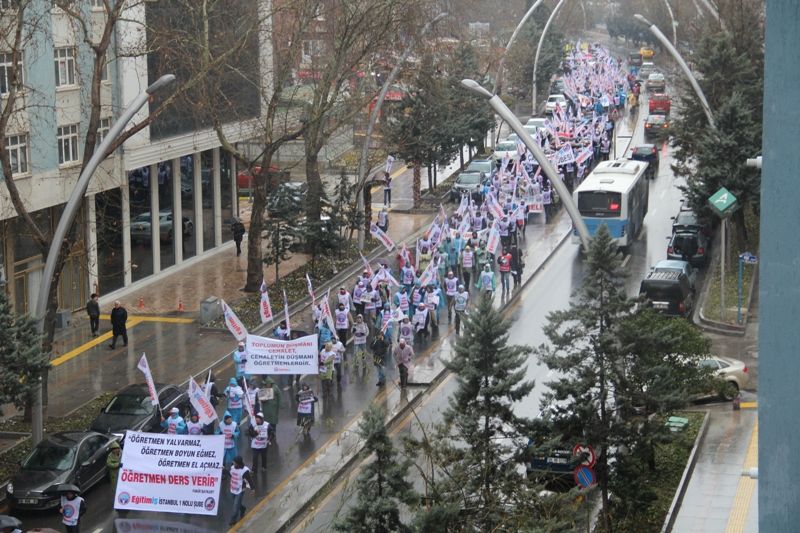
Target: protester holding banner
x=259, y=439
x=230, y=430
x=270, y=397
x=240, y=480
x=305, y=408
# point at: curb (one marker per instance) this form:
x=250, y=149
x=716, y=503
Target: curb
x=675, y=506
x=437, y=379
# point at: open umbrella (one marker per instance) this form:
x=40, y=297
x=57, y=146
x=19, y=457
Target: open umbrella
x=64, y=487
x=9, y=521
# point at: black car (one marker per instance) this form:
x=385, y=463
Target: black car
x=472, y=178
x=669, y=293
x=687, y=221
x=650, y=155
x=656, y=126
x=691, y=246
x=70, y=457
x=132, y=409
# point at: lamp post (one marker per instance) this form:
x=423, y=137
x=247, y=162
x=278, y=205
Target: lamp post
x=373, y=118
x=505, y=113
x=539, y=50
x=684, y=67
x=674, y=23
x=68, y=219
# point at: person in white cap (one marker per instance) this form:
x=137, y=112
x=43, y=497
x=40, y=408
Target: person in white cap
x=175, y=424
x=259, y=439
x=460, y=302
x=239, y=356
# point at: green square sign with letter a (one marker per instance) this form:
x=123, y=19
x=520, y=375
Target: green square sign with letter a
x=723, y=202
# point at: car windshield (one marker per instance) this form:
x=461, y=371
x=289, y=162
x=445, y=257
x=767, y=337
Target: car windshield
x=538, y=122
x=641, y=151
x=48, y=456
x=556, y=99
x=480, y=166
x=656, y=119
x=660, y=293
x=130, y=404
x=469, y=178
x=144, y=217
x=506, y=147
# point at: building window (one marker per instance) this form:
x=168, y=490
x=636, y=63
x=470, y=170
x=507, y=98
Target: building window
x=5, y=72
x=102, y=129
x=65, y=66
x=67, y=144
x=98, y=4
x=104, y=71
x=17, y=148
x=311, y=49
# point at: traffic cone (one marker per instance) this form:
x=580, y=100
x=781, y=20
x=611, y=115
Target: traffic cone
x=181, y=308
x=141, y=303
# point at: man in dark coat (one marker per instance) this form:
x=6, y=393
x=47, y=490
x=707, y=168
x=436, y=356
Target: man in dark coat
x=118, y=318
x=93, y=310
x=238, y=234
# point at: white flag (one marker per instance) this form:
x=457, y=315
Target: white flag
x=235, y=325
x=264, y=307
x=148, y=377
x=249, y=405
x=494, y=239
x=310, y=289
x=379, y=234
x=201, y=403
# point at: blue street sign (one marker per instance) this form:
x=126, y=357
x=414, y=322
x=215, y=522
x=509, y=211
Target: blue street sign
x=584, y=476
x=748, y=258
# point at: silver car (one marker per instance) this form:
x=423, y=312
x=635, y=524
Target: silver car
x=733, y=372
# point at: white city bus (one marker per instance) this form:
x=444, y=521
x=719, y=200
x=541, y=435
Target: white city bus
x=614, y=194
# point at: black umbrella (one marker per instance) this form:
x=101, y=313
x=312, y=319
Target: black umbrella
x=9, y=521
x=64, y=487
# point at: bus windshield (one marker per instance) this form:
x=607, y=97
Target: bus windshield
x=601, y=204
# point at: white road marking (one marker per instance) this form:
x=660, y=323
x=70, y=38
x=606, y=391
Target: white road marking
x=98, y=530
x=625, y=261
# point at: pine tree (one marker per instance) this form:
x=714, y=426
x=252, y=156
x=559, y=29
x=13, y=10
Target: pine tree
x=477, y=482
x=21, y=359
x=382, y=485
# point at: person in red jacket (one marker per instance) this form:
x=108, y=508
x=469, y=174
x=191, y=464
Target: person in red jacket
x=504, y=260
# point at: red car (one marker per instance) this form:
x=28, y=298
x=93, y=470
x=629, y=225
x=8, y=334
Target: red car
x=244, y=179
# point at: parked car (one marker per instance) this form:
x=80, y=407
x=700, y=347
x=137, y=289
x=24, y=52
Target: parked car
x=687, y=220
x=659, y=104
x=691, y=246
x=141, y=226
x=635, y=59
x=131, y=409
x=552, y=101
x=656, y=126
x=674, y=265
x=469, y=181
x=668, y=292
x=244, y=179
x=77, y=457
x=655, y=82
x=647, y=52
x=649, y=154
x=733, y=372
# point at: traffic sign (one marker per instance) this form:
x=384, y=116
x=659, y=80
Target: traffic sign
x=585, y=453
x=584, y=476
x=723, y=202
x=748, y=258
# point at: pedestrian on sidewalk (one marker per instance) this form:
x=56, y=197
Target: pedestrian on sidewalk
x=73, y=507
x=259, y=439
x=305, y=408
x=387, y=190
x=93, y=310
x=383, y=219
x=119, y=316
x=379, y=349
x=270, y=397
x=240, y=480
x=238, y=234
x=230, y=429
x=404, y=355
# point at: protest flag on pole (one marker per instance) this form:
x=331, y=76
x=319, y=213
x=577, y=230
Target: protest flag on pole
x=235, y=326
x=249, y=405
x=148, y=377
x=201, y=403
x=379, y=234
x=286, y=314
x=310, y=290
x=264, y=307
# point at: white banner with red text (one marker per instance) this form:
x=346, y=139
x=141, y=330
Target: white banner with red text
x=170, y=473
x=275, y=356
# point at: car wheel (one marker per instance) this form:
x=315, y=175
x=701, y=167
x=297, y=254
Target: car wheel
x=729, y=391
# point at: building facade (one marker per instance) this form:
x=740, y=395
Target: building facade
x=166, y=198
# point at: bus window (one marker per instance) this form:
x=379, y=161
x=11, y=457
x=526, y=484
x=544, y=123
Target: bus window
x=600, y=204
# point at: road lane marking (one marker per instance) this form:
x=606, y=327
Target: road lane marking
x=132, y=322
x=747, y=486
x=749, y=405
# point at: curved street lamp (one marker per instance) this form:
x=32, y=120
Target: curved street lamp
x=68, y=219
x=505, y=113
x=539, y=50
